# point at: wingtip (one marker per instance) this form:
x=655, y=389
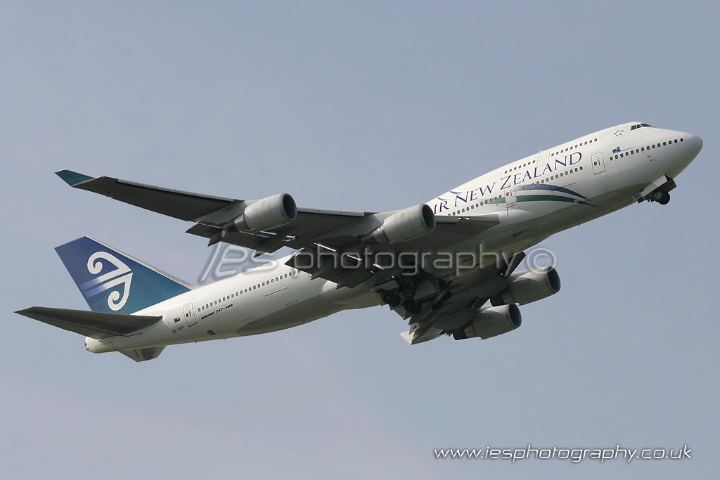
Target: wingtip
x=72, y=178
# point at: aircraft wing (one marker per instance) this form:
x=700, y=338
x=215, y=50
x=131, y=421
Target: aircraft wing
x=90, y=324
x=174, y=203
x=312, y=228
x=211, y=213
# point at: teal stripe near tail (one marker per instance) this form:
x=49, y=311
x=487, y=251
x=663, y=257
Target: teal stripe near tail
x=112, y=282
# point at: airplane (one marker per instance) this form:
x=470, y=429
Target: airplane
x=447, y=266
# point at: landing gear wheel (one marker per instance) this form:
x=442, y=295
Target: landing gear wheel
x=390, y=298
x=395, y=301
x=412, y=307
x=660, y=196
x=437, y=306
x=409, y=292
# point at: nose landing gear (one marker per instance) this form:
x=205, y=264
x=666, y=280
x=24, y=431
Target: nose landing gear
x=660, y=196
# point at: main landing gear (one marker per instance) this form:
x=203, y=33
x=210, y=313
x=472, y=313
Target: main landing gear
x=390, y=298
x=412, y=293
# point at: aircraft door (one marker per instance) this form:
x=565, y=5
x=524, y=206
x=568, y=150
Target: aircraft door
x=598, y=163
x=189, y=315
x=541, y=161
x=510, y=198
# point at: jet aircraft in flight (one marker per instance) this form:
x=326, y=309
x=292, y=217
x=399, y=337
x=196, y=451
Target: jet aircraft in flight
x=448, y=266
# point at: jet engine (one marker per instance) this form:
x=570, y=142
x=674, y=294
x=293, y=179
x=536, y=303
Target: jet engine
x=407, y=224
x=491, y=322
x=268, y=213
x=529, y=286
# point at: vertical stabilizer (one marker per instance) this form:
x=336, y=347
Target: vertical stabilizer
x=112, y=282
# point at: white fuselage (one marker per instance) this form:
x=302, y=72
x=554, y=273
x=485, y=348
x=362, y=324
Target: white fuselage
x=597, y=174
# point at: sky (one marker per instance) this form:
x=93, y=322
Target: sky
x=369, y=106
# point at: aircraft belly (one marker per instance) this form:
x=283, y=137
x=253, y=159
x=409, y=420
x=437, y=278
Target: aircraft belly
x=292, y=316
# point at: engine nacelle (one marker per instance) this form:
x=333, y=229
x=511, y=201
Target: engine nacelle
x=529, y=286
x=268, y=213
x=412, y=222
x=491, y=322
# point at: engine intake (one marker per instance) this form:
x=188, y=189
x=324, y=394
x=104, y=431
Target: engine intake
x=491, y=322
x=407, y=224
x=529, y=286
x=268, y=213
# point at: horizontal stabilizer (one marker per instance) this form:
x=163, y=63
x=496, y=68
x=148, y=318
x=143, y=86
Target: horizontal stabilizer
x=90, y=324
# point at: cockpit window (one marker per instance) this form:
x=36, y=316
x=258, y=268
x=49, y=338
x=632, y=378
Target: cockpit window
x=640, y=125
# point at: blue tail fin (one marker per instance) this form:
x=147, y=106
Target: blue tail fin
x=113, y=282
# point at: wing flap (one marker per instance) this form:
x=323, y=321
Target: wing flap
x=90, y=324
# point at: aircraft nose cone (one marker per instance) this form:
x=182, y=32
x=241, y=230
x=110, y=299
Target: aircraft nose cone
x=694, y=144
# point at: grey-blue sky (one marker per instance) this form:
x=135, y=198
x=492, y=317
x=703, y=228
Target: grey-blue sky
x=364, y=106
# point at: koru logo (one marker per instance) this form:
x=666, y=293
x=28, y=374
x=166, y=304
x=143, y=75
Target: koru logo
x=120, y=276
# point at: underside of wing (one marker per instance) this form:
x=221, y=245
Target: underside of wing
x=90, y=324
x=356, y=261
x=174, y=203
x=309, y=227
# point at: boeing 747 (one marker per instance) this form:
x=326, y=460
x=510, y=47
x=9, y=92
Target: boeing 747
x=448, y=266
